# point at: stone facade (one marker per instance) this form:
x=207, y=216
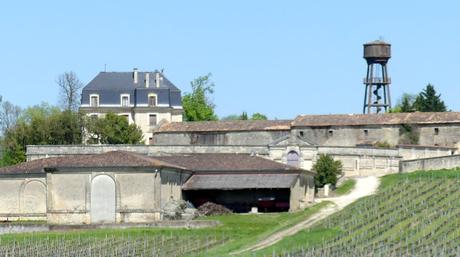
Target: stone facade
x=22, y=197
x=138, y=195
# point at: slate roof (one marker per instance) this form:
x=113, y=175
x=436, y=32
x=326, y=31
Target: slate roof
x=226, y=162
x=221, y=126
x=124, y=80
x=109, y=159
x=239, y=181
x=376, y=119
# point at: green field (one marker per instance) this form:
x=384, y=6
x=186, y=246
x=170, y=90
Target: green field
x=415, y=214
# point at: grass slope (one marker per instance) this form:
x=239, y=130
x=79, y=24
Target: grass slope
x=236, y=232
x=346, y=187
x=416, y=214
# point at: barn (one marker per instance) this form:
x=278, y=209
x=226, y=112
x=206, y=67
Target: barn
x=126, y=187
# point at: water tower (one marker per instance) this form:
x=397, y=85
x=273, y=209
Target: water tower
x=377, y=83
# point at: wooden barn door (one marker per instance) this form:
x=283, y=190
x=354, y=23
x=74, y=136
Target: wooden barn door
x=103, y=200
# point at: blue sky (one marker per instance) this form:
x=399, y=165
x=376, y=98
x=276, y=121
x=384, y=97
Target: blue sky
x=281, y=58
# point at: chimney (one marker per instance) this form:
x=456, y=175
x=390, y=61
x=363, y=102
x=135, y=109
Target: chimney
x=135, y=75
x=147, y=80
x=157, y=79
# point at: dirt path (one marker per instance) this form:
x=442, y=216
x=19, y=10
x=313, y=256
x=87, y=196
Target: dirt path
x=364, y=186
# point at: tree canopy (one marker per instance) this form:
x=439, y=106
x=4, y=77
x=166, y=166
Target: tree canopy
x=426, y=101
x=244, y=116
x=113, y=129
x=197, y=104
x=327, y=170
x=429, y=101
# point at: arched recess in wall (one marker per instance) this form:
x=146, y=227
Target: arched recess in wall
x=293, y=159
x=33, y=198
x=103, y=199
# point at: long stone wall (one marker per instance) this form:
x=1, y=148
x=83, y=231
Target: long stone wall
x=434, y=163
x=357, y=161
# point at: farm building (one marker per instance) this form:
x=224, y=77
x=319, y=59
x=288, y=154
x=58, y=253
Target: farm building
x=118, y=186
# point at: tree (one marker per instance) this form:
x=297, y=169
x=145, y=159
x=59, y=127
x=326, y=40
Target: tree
x=9, y=113
x=258, y=116
x=327, y=170
x=40, y=125
x=244, y=116
x=429, y=101
x=113, y=129
x=197, y=104
x=69, y=90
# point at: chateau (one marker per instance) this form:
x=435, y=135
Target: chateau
x=146, y=99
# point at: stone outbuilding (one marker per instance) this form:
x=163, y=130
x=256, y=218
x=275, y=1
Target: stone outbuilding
x=126, y=187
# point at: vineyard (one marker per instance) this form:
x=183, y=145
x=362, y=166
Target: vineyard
x=415, y=214
x=412, y=215
x=134, y=243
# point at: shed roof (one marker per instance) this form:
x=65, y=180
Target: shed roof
x=191, y=162
x=226, y=162
x=230, y=125
x=239, y=181
x=376, y=119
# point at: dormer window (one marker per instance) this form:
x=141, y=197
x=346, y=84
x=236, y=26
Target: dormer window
x=152, y=100
x=94, y=100
x=124, y=100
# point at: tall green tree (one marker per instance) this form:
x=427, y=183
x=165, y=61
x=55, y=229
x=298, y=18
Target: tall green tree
x=113, y=129
x=429, y=101
x=40, y=125
x=405, y=104
x=197, y=104
x=327, y=170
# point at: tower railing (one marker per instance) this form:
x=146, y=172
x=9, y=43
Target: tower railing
x=377, y=80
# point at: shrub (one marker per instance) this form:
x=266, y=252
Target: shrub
x=327, y=170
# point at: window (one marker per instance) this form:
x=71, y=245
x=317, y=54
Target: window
x=436, y=131
x=330, y=133
x=301, y=133
x=94, y=100
x=293, y=159
x=152, y=120
x=366, y=132
x=124, y=100
x=150, y=140
x=152, y=100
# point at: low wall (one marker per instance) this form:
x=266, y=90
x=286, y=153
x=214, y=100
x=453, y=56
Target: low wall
x=434, y=163
x=11, y=228
x=44, y=151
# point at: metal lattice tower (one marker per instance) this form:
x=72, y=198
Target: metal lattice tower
x=377, y=82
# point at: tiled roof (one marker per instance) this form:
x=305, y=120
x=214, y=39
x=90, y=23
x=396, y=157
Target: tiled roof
x=193, y=162
x=109, y=159
x=226, y=162
x=239, y=181
x=234, y=125
x=376, y=119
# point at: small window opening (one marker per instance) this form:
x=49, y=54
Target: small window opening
x=331, y=133
x=301, y=133
x=366, y=132
x=152, y=120
x=436, y=131
x=152, y=100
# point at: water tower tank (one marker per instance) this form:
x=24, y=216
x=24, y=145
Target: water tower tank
x=377, y=51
